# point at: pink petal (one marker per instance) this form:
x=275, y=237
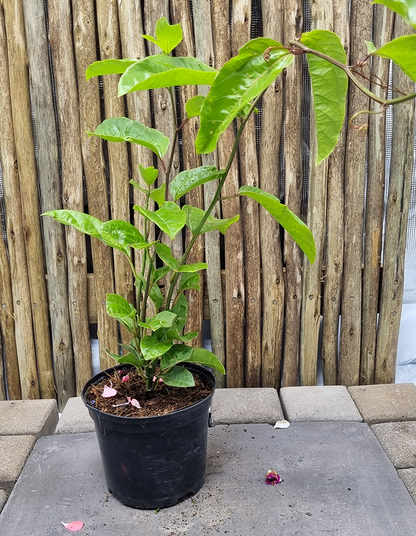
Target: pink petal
x=134, y=402
x=74, y=526
x=109, y=392
x=125, y=378
x=272, y=478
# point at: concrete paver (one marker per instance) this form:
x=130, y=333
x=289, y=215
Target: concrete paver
x=336, y=480
x=75, y=418
x=3, y=499
x=385, y=403
x=248, y=405
x=398, y=439
x=329, y=403
x=409, y=479
x=28, y=417
x=14, y=453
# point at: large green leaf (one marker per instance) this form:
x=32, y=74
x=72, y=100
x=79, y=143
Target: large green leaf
x=122, y=233
x=165, y=253
x=405, y=8
x=287, y=219
x=78, y=220
x=161, y=320
x=128, y=359
x=189, y=281
x=207, y=358
x=177, y=354
x=169, y=218
x=178, y=377
x=194, y=216
x=188, y=180
x=152, y=348
x=168, y=36
x=120, y=309
x=403, y=52
x=100, y=68
x=238, y=82
x=329, y=88
x=165, y=71
x=124, y=129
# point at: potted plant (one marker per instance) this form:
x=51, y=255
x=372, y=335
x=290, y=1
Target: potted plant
x=154, y=451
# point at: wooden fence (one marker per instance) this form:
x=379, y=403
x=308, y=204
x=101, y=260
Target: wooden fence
x=277, y=307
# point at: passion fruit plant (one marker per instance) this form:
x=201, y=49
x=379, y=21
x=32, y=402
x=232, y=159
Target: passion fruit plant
x=159, y=346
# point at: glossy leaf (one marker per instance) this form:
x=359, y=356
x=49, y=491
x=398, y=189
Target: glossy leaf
x=159, y=273
x=402, y=51
x=178, y=377
x=189, y=281
x=165, y=253
x=207, y=358
x=120, y=129
x=194, y=216
x=405, y=8
x=167, y=36
x=158, y=195
x=161, y=320
x=165, y=71
x=177, y=354
x=128, y=359
x=174, y=335
x=193, y=106
x=287, y=219
x=238, y=82
x=143, y=245
x=169, y=218
x=181, y=311
x=195, y=267
x=156, y=296
x=329, y=88
x=111, y=66
x=152, y=348
x=123, y=233
x=149, y=174
x=78, y=220
x=186, y=181
x=120, y=309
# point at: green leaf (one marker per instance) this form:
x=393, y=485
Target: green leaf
x=287, y=219
x=403, y=52
x=143, y=245
x=128, y=359
x=188, y=180
x=165, y=253
x=167, y=36
x=177, y=354
x=193, y=106
x=156, y=296
x=405, y=8
x=370, y=47
x=244, y=111
x=174, y=335
x=169, y=218
x=181, y=311
x=123, y=129
x=196, y=267
x=189, y=281
x=329, y=88
x=178, y=377
x=238, y=82
x=194, y=216
x=78, y=220
x=161, y=320
x=207, y=358
x=100, y=68
x=137, y=185
x=158, y=195
x=165, y=71
x=120, y=309
x=149, y=174
x=152, y=348
x=122, y=234
x=159, y=273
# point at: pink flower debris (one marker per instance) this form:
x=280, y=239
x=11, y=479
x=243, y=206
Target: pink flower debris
x=109, y=392
x=155, y=378
x=74, y=526
x=134, y=402
x=272, y=478
x=125, y=378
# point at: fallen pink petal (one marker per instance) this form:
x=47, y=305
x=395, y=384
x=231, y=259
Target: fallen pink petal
x=125, y=378
x=109, y=392
x=134, y=402
x=272, y=478
x=74, y=526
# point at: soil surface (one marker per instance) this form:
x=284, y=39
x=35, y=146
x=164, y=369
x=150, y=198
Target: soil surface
x=163, y=400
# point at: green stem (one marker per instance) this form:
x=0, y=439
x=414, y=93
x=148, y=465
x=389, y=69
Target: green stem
x=175, y=139
x=147, y=288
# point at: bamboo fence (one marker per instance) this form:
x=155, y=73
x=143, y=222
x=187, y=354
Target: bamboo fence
x=272, y=315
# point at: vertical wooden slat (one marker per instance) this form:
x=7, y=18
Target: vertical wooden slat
x=181, y=13
x=293, y=25
x=375, y=199
x=397, y=212
x=60, y=38
x=25, y=151
x=334, y=228
x=271, y=254
x=110, y=47
x=249, y=176
x=89, y=106
x=50, y=191
x=350, y=340
x=234, y=256
x=204, y=47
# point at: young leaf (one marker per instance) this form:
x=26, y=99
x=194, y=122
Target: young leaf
x=190, y=268
x=177, y=354
x=189, y=281
x=178, y=377
x=405, y=8
x=287, y=219
x=186, y=181
x=207, y=358
x=158, y=195
x=181, y=310
x=403, y=52
x=120, y=309
x=169, y=218
x=238, y=82
x=370, y=47
x=156, y=296
x=137, y=185
x=165, y=253
x=161, y=320
x=152, y=348
x=329, y=88
x=100, y=68
x=149, y=174
x=124, y=129
x=165, y=71
x=193, y=106
x=167, y=36
x=194, y=216
x=160, y=272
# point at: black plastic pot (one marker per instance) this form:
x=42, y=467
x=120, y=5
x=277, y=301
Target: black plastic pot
x=153, y=462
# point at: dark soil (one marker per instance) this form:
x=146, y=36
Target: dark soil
x=163, y=400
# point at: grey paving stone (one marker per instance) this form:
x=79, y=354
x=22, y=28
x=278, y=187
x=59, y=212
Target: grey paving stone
x=337, y=480
x=248, y=405
x=75, y=418
x=398, y=439
x=28, y=417
x=329, y=403
x=3, y=499
x=409, y=479
x=385, y=403
x=14, y=451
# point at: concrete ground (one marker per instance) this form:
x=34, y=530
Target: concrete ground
x=345, y=471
